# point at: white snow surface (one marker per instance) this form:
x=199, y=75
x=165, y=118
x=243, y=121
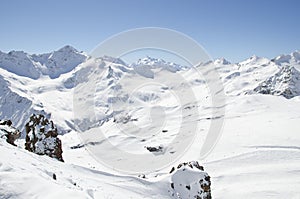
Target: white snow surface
x=257, y=155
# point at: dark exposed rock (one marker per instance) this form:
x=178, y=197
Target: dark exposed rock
x=154, y=149
x=172, y=184
x=188, y=187
x=9, y=132
x=142, y=176
x=54, y=176
x=173, y=169
x=191, y=164
x=41, y=137
x=78, y=146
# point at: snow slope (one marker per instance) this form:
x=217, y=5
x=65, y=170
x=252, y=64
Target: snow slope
x=34, y=178
x=257, y=155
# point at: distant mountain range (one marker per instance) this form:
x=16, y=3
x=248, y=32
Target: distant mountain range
x=26, y=88
x=150, y=107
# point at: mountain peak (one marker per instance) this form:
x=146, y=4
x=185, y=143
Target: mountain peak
x=255, y=60
x=68, y=48
x=222, y=61
x=254, y=57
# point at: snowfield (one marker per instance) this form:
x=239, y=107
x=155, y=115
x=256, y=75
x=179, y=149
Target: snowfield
x=142, y=108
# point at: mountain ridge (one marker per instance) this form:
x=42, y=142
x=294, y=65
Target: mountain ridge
x=34, y=66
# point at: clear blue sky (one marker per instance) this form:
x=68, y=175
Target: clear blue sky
x=234, y=29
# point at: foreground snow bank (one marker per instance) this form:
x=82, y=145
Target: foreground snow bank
x=26, y=175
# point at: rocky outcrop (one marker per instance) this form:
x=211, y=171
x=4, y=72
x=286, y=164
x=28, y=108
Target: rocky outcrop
x=9, y=132
x=190, y=181
x=41, y=137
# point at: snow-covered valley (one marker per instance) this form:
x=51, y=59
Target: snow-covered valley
x=256, y=156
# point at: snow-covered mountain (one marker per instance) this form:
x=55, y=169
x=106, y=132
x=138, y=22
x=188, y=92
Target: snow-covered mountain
x=143, y=108
x=293, y=58
x=33, y=66
x=285, y=82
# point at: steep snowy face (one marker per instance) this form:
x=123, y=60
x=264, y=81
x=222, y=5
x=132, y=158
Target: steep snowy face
x=98, y=78
x=285, y=82
x=13, y=106
x=33, y=66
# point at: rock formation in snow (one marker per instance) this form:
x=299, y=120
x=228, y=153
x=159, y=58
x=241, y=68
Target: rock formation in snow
x=41, y=137
x=190, y=181
x=8, y=132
